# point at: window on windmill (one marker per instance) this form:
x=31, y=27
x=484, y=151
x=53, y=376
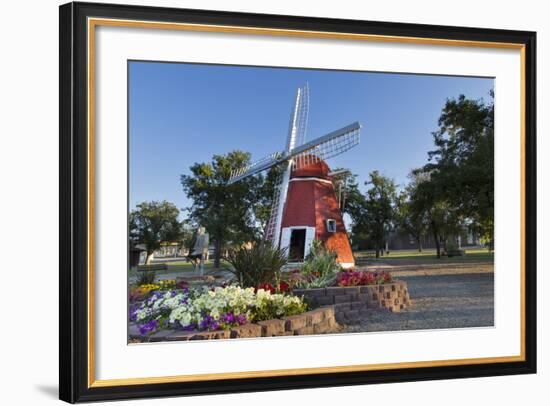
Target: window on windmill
x=331, y=225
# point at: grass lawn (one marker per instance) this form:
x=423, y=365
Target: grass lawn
x=429, y=256
x=177, y=267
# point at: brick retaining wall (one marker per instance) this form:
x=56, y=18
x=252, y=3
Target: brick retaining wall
x=351, y=302
x=321, y=320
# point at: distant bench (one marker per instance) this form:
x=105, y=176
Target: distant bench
x=365, y=257
x=163, y=267
x=152, y=267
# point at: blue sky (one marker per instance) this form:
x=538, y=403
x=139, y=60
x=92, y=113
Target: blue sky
x=180, y=114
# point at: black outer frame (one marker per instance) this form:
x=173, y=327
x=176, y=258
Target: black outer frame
x=73, y=299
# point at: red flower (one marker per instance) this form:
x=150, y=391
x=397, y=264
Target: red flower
x=266, y=287
x=182, y=284
x=283, y=287
x=361, y=278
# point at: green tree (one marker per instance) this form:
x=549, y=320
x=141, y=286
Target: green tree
x=463, y=161
x=428, y=200
x=264, y=195
x=379, y=208
x=356, y=207
x=226, y=211
x=152, y=223
x=409, y=221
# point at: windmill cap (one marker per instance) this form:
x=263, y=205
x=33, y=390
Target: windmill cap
x=316, y=169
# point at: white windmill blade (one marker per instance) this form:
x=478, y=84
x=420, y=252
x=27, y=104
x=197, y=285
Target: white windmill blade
x=302, y=115
x=256, y=167
x=327, y=146
x=298, y=118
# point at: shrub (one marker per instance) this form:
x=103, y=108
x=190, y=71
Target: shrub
x=271, y=306
x=146, y=277
x=320, y=267
x=258, y=265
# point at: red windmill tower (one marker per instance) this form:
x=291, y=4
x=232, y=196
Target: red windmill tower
x=305, y=205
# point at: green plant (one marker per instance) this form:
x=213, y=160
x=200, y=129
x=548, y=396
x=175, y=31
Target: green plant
x=451, y=246
x=319, y=282
x=274, y=305
x=257, y=265
x=145, y=277
x=320, y=267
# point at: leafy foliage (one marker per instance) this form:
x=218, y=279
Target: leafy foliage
x=264, y=195
x=151, y=223
x=145, y=277
x=455, y=189
x=224, y=210
x=411, y=219
x=271, y=306
x=373, y=213
x=258, y=265
x=319, y=268
x=232, y=214
x=463, y=167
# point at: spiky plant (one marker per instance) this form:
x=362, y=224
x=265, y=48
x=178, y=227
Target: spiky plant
x=258, y=265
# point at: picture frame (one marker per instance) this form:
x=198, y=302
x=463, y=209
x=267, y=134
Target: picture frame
x=78, y=381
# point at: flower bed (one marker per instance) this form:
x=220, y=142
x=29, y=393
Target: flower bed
x=209, y=310
x=141, y=292
x=318, y=321
x=362, y=278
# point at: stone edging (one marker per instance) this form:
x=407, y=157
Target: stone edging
x=318, y=321
x=351, y=302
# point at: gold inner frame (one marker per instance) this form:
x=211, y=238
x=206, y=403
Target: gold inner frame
x=94, y=22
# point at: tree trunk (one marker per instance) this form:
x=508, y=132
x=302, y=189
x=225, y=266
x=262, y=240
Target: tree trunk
x=377, y=252
x=437, y=246
x=436, y=239
x=217, y=252
x=419, y=240
x=149, y=257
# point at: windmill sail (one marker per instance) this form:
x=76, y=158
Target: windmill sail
x=296, y=136
x=327, y=146
x=269, y=234
x=299, y=117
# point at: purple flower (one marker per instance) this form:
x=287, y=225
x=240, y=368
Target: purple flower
x=241, y=319
x=190, y=327
x=214, y=326
x=133, y=312
x=205, y=322
x=227, y=318
x=148, y=327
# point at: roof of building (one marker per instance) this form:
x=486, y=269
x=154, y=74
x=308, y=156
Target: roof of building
x=317, y=168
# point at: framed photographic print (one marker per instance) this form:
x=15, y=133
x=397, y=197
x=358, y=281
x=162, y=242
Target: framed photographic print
x=257, y=202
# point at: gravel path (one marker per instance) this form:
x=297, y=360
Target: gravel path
x=439, y=301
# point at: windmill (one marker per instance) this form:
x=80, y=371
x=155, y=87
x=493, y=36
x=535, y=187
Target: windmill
x=305, y=206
